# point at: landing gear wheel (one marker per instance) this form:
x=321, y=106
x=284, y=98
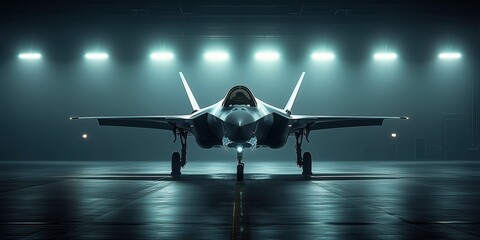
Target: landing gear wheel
x=176, y=165
x=240, y=167
x=307, y=164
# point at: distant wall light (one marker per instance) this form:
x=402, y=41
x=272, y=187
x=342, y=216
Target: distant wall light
x=267, y=56
x=449, y=55
x=322, y=56
x=161, y=56
x=30, y=56
x=216, y=56
x=96, y=56
x=385, y=56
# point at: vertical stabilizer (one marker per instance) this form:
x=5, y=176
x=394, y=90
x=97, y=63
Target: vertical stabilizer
x=192, y=99
x=288, y=107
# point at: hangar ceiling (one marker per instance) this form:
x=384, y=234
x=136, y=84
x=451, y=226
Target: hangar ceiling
x=241, y=18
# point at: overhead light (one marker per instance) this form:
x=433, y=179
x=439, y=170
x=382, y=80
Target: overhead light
x=322, y=56
x=449, y=55
x=30, y=56
x=96, y=56
x=216, y=56
x=267, y=56
x=84, y=136
x=161, y=56
x=394, y=135
x=385, y=56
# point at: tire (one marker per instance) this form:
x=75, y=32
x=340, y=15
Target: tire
x=176, y=164
x=240, y=172
x=307, y=164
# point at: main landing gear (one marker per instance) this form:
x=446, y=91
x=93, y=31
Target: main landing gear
x=179, y=161
x=306, y=162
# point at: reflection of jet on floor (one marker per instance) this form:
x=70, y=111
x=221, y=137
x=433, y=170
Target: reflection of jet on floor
x=240, y=120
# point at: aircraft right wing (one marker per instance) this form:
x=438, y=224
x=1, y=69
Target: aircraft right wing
x=157, y=122
x=310, y=122
x=326, y=122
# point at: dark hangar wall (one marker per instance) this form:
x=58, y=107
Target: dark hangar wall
x=38, y=97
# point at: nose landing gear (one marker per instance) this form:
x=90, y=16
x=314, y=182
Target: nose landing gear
x=240, y=165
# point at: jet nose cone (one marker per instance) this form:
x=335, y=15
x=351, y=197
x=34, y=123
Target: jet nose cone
x=239, y=125
x=239, y=117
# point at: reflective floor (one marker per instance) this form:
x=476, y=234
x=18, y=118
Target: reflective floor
x=139, y=200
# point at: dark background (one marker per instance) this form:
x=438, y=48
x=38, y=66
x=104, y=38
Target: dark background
x=37, y=97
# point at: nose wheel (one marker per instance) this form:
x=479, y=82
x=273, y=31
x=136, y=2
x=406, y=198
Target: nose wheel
x=240, y=166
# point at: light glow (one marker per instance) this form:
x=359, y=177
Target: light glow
x=394, y=135
x=239, y=149
x=161, y=56
x=322, y=56
x=267, y=56
x=449, y=55
x=385, y=56
x=216, y=56
x=30, y=56
x=96, y=56
x=84, y=136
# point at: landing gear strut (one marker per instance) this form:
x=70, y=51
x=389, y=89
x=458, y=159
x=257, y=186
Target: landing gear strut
x=179, y=161
x=240, y=166
x=306, y=161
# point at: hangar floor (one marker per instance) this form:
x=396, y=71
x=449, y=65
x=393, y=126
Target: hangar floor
x=139, y=200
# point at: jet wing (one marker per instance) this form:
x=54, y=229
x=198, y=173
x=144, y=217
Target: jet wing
x=157, y=122
x=326, y=122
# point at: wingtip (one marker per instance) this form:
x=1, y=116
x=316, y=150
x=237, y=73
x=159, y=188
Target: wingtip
x=404, y=117
x=73, y=118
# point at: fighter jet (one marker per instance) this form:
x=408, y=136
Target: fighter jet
x=240, y=121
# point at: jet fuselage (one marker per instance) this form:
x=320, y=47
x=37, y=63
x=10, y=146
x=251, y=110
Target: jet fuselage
x=241, y=125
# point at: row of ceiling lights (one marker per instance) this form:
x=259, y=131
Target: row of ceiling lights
x=224, y=56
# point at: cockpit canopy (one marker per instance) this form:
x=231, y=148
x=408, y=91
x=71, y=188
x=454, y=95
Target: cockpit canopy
x=239, y=95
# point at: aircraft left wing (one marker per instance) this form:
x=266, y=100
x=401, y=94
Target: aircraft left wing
x=325, y=122
x=157, y=122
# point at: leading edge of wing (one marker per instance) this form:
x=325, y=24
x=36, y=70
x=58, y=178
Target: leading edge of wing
x=326, y=122
x=171, y=117
x=157, y=122
x=329, y=118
